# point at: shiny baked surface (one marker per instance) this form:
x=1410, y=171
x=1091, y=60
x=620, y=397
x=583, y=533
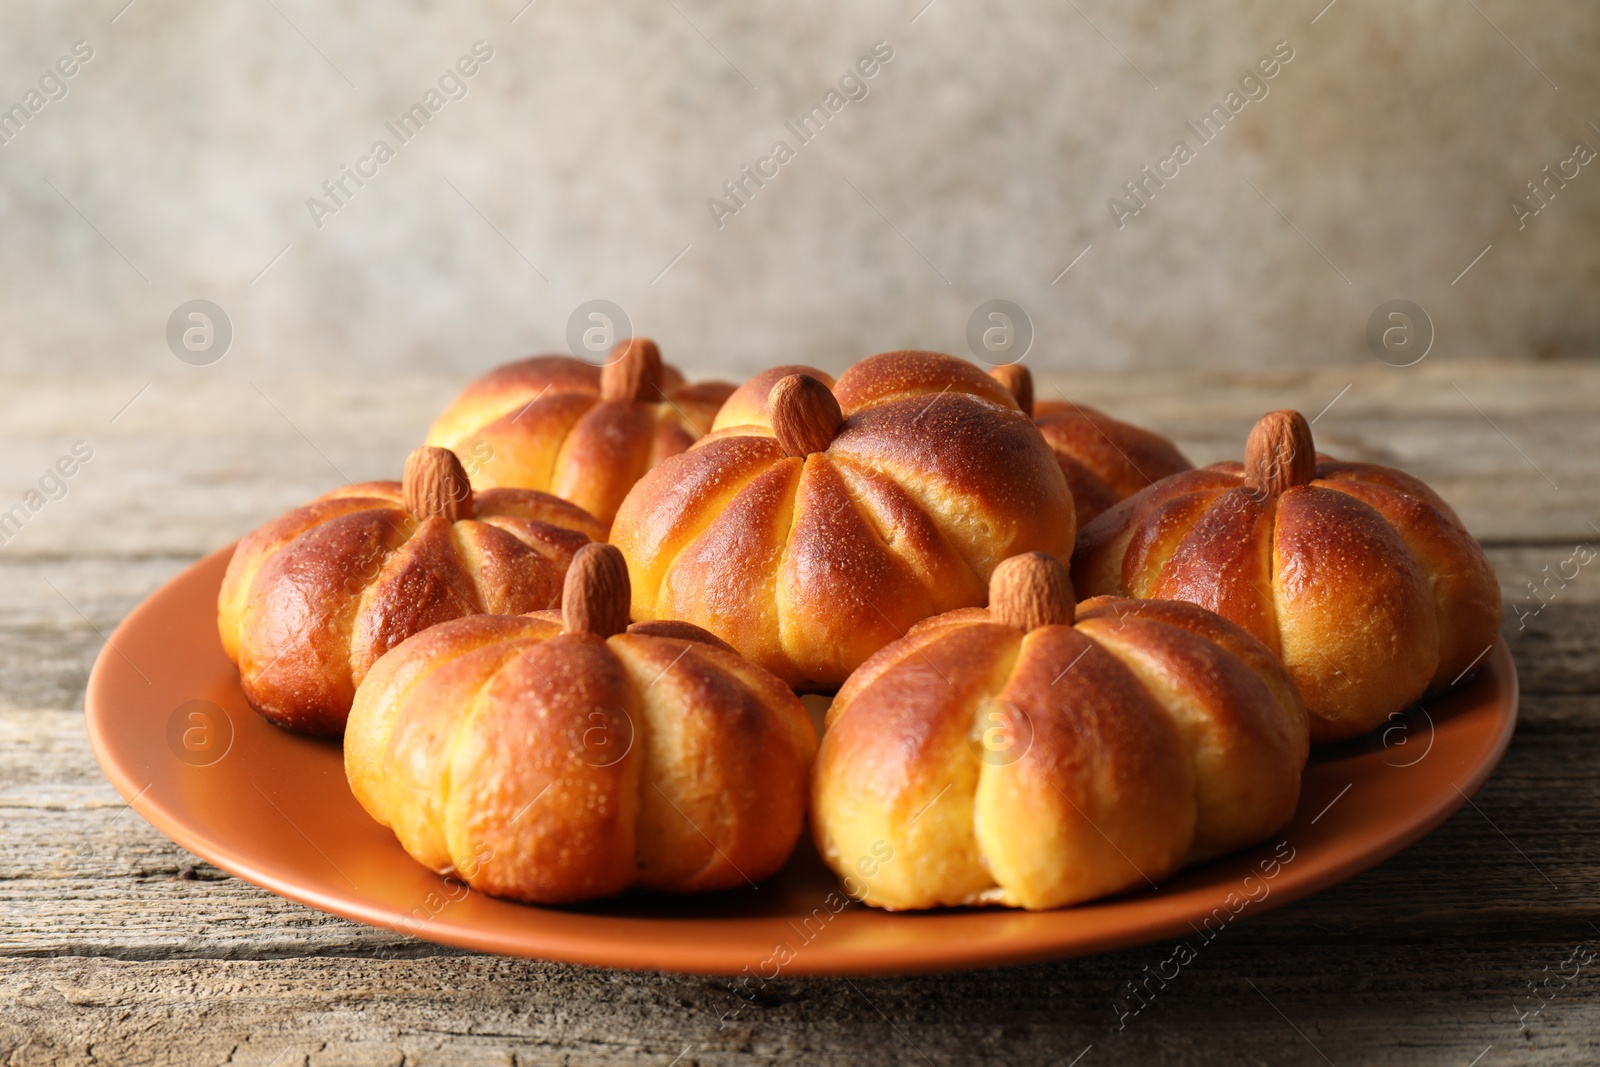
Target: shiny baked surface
x=1048, y=766
x=810, y=563
x=1360, y=577
x=544, y=423
x=314, y=597
x=551, y=767
x=1104, y=459
x=156, y=948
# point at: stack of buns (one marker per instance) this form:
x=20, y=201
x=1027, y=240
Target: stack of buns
x=572, y=671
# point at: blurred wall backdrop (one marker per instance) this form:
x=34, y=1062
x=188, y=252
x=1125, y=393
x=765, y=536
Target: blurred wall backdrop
x=1378, y=160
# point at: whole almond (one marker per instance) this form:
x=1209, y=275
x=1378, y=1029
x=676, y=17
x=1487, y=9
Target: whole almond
x=1280, y=453
x=805, y=416
x=595, y=599
x=1019, y=380
x=435, y=483
x=1031, y=590
x=633, y=372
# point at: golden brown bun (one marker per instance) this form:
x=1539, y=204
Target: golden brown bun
x=552, y=766
x=746, y=406
x=974, y=762
x=311, y=599
x=547, y=423
x=1104, y=459
x=807, y=564
x=1358, y=576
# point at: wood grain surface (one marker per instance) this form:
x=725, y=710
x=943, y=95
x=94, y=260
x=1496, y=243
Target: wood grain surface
x=1479, y=946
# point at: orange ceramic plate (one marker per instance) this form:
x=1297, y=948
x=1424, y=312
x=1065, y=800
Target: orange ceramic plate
x=175, y=736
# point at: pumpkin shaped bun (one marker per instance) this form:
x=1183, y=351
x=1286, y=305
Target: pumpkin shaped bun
x=814, y=525
x=1039, y=753
x=314, y=597
x=582, y=432
x=560, y=757
x=1104, y=459
x=1358, y=576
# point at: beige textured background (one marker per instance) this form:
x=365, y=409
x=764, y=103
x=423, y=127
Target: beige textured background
x=983, y=155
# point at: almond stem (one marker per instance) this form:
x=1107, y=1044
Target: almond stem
x=435, y=483
x=805, y=416
x=1018, y=379
x=1030, y=591
x=633, y=372
x=595, y=599
x=1280, y=453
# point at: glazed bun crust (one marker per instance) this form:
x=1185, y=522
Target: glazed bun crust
x=312, y=599
x=1465, y=591
x=545, y=423
x=1051, y=767
x=746, y=407
x=807, y=564
x=553, y=767
x=910, y=373
x=1104, y=459
x=1362, y=579
x=510, y=386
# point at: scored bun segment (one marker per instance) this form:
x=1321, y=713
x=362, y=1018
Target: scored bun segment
x=554, y=757
x=816, y=523
x=1104, y=460
x=1293, y=546
x=1043, y=753
x=583, y=431
x=312, y=599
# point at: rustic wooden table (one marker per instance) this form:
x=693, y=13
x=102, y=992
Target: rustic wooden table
x=1478, y=946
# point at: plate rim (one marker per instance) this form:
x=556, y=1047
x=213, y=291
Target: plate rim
x=839, y=960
